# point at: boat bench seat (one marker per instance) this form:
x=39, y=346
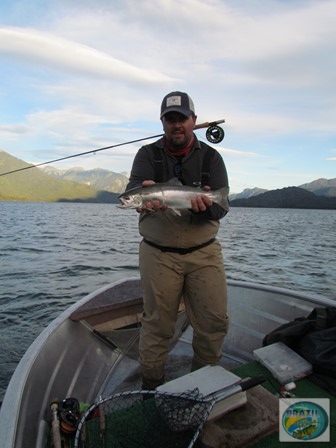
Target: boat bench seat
x=115, y=307
x=121, y=304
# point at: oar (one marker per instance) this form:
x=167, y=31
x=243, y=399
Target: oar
x=56, y=433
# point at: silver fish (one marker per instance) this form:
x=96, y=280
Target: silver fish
x=176, y=197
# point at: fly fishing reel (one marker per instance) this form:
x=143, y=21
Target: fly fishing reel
x=215, y=134
x=69, y=415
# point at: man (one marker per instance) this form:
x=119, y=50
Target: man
x=179, y=256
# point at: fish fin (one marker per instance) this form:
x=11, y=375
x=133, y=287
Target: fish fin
x=174, y=181
x=176, y=211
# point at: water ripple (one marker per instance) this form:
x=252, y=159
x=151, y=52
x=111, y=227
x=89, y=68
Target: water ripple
x=53, y=254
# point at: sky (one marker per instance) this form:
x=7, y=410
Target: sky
x=80, y=75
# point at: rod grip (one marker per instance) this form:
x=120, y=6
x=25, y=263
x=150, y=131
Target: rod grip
x=208, y=123
x=251, y=382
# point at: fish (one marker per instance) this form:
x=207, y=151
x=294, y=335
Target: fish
x=176, y=197
x=306, y=431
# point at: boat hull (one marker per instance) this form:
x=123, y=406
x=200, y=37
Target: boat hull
x=73, y=358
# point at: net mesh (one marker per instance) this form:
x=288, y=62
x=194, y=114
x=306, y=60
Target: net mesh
x=143, y=420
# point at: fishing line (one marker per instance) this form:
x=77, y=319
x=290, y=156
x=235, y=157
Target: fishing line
x=215, y=134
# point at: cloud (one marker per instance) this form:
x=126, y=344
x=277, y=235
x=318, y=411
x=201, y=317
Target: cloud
x=40, y=47
x=236, y=152
x=13, y=131
x=79, y=75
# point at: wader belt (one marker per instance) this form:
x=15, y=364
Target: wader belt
x=178, y=250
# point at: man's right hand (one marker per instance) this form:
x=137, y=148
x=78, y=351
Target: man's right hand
x=151, y=205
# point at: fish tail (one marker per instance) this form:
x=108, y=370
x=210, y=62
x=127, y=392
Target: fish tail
x=223, y=201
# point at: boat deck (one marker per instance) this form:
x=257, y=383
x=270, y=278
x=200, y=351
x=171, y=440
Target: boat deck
x=126, y=374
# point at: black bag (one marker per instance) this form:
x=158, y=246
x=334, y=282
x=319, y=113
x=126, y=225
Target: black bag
x=314, y=338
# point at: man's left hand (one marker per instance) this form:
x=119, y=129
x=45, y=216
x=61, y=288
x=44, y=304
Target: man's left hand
x=201, y=202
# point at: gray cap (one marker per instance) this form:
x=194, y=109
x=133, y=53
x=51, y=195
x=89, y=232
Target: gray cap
x=177, y=102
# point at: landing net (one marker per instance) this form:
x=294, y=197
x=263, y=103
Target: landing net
x=144, y=419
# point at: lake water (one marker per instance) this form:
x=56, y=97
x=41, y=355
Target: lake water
x=52, y=254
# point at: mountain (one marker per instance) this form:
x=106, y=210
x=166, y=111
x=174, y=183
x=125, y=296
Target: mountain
x=97, y=178
x=321, y=187
x=114, y=182
x=290, y=197
x=99, y=185
x=31, y=184
x=247, y=193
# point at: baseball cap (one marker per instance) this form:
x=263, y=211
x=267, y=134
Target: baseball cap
x=177, y=102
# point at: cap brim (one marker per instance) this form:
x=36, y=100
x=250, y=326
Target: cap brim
x=180, y=110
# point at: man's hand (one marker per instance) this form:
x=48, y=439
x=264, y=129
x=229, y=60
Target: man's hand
x=201, y=202
x=151, y=205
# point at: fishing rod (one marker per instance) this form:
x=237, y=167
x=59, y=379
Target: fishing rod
x=214, y=134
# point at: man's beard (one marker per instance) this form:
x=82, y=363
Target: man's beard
x=179, y=141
